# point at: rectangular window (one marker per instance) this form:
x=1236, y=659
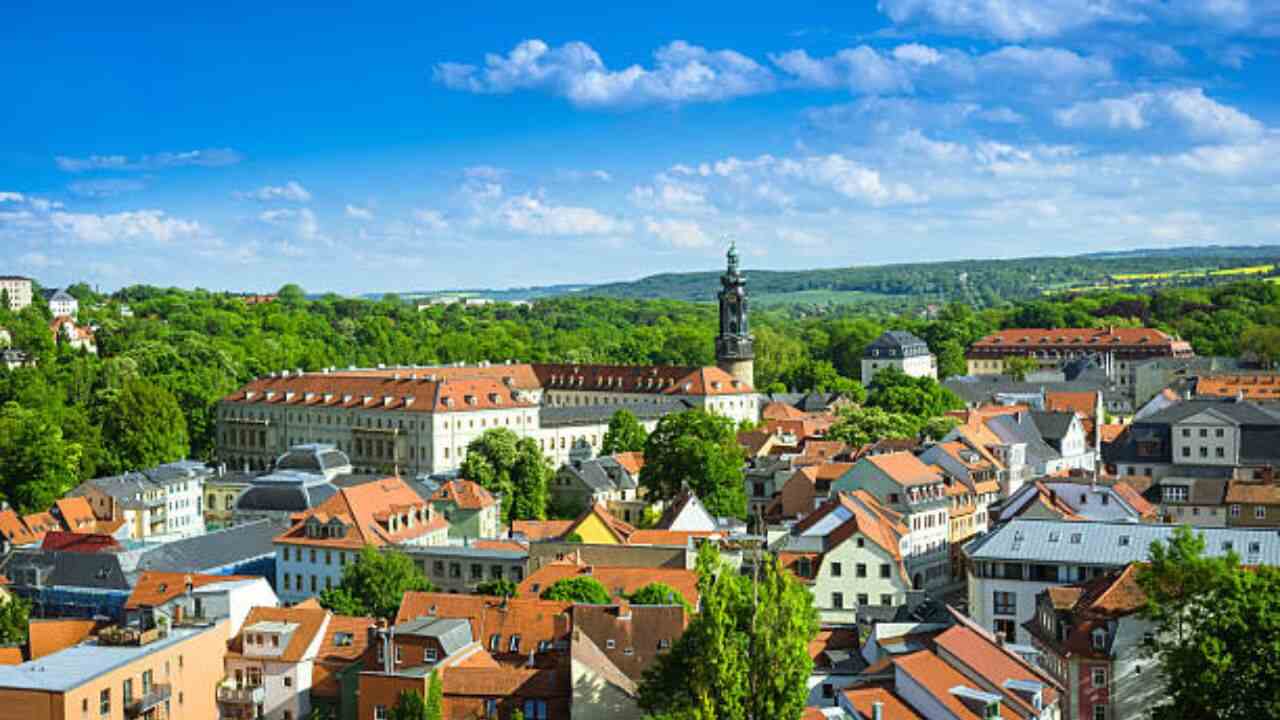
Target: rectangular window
x=837, y=600
x=886, y=600
x=1259, y=513
x=1005, y=603
x=884, y=570
x=835, y=569
x=1099, y=712
x=1007, y=629
x=104, y=702
x=380, y=712
x=1099, y=678
x=863, y=599
x=860, y=570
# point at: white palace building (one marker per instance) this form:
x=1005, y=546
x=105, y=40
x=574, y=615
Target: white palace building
x=419, y=420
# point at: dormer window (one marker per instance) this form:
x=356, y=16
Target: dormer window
x=1099, y=639
x=515, y=644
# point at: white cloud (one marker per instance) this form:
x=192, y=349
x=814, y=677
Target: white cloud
x=848, y=178
x=601, y=175
x=358, y=213
x=801, y=238
x=528, y=214
x=1189, y=110
x=1015, y=20
x=301, y=222
x=431, y=220
x=917, y=54
x=485, y=172
x=291, y=191
x=862, y=70
x=681, y=73
x=669, y=195
x=11, y=197
x=105, y=187
x=147, y=225
x=679, y=234
x=38, y=260
x=210, y=157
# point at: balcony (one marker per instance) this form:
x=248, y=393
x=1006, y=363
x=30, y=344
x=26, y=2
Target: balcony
x=241, y=695
x=145, y=705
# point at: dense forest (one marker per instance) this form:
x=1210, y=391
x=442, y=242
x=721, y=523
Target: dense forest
x=167, y=355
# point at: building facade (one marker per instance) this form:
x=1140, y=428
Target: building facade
x=17, y=289
x=901, y=350
x=1121, y=349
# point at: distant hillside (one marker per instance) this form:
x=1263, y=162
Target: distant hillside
x=983, y=283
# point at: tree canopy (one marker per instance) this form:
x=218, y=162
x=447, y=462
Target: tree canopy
x=625, y=434
x=144, y=427
x=514, y=467
x=658, y=593
x=375, y=583
x=582, y=589
x=744, y=656
x=501, y=587
x=698, y=451
x=894, y=391
x=1218, y=638
x=15, y=616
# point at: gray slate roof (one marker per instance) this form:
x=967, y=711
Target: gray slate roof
x=979, y=389
x=602, y=474
x=600, y=414
x=100, y=571
x=1020, y=428
x=283, y=497
x=214, y=550
x=1052, y=425
x=1238, y=413
x=1110, y=544
x=896, y=343
x=453, y=634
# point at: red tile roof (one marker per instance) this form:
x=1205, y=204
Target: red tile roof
x=648, y=379
x=310, y=621
x=366, y=509
x=1077, y=338
x=465, y=494
x=987, y=658
x=1253, y=493
x=15, y=531
x=50, y=636
x=668, y=537
x=79, y=542
x=864, y=697
x=938, y=678
x=905, y=469
x=1251, y=386
x=538, y=530
x=77, y=515
x=535, y=620
x=632, y=462
x=157, y=588
x=619, y=581
x=412, y=392
x=334, y=657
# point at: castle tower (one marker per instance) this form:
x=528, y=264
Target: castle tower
x=735, y=348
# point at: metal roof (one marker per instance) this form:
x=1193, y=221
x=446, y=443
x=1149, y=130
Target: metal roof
x=1111, y=544
x=453, y=634
x=600, y=414
x=73, y=667
x=214, y=550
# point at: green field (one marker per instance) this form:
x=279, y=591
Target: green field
x=822, y=297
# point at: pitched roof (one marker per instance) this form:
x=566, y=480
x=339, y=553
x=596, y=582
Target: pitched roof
x=618, y=528
x=523, y=682
x=465, y=494
x=538, y=530
x=535, y=620
x=1085, y=403
x=1253, y=493
x=399, y=391
x=1108, y=432
x=938, y=678
x=630, y=636
x=904, y=468
x=669, y=537
x=619, y=581
x=984, y=656
x=310, y=621
x=214, y=550
x=1251, y=386
x=76, y=514
x=863, y=697
x=365, y=509
x=782, y=411
x=1074, y=337
x=632, y=461
x=646, y=379
x=153, y=589
x=346, y=641
x=50, y=636
x=79, y=542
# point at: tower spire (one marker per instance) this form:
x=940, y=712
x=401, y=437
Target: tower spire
x=735, y=347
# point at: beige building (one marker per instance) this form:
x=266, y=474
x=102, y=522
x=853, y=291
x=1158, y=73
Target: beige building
x=18, y=289
x=120, y=674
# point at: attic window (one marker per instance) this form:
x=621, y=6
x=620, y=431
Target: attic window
x=342, y=639
x=495, y=642
x=515, y=643
x=1054, y=536
x=1124, y=541
x=470, y=399
x=1227, y=546
x=495, y=398
x=1075, y=538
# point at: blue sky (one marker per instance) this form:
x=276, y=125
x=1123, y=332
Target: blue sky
x=410, y=147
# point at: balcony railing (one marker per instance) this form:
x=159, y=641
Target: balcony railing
x=241, y=695
x=157, y=696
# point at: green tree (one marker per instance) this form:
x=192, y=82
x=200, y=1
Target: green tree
x=375, y=583
x=659, y=593
x=1263, y=341
x=1019, y=367
x=37, y=466
x=951, y=360
x=513, y=467
x=435, y=697
x=409, y=706
x=15, y=616
x=582, y=589
x=896, y=392
x=625, y=434
x=745, y=655
x=698, y=451
x=497, y=588
x=937, y=428
x=1218, y=639
x=858, y=426
x=143, y=427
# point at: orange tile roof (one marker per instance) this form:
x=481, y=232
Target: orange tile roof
x=632, y=462
x=11, y=655
x=499, y=545
x=548, y=683
x=14, y=530
x=619, y=581
x=863, y=697
x=157, y=588
x=535, y=620
x=333, y=657
x=988, y=659
x=1085, y=403
x=412, y=392
x=1251, y=386
x=50, y=636
x=41, y=523
x=310, y=621
x=1253, y=493
x=79, y=542
x=77, y=515
x=364, y=509
x=1135, y=500
x=937, y=678
x=841, y=638
x=904, y=469
x=629, y=636
x=465, y=494
x=538, y=530
x=620, y=529
x=668, y=537
x=782, y=411
x=877, y=523
x=1108, y=432
x=1074, y=338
